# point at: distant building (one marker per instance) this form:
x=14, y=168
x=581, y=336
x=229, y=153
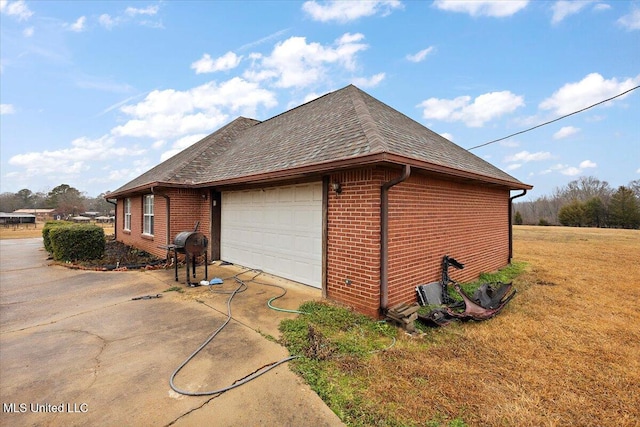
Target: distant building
x=17, y=218
x=40, y=214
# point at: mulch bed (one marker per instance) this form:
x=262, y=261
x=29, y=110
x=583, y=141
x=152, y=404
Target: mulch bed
x=120, y=257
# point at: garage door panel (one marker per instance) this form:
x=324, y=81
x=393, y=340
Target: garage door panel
x=303, y=193
x=278, y=230
x=285, y=194
x=285, y=218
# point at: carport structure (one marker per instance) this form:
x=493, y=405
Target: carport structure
x=342, y=193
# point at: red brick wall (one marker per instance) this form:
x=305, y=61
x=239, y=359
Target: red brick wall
x=429, y=218
x=353, y=244
x=186, y=207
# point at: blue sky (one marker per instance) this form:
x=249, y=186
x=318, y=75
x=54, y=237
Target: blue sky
x=95, y=93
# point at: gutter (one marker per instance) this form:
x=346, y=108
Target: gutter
x=331, y=166
x=115, y=217
x=384, y=237
x=511, y=223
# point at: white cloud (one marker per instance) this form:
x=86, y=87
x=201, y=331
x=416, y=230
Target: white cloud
x=79, y=25
x=638, y=170
x=309, y=97
x=19, y=9
x=170, y=113
x=570, y=171
x=132, y=14
x=494, y=8
x=107, y=21
x=72, y=160
x=420, y=56
x=631, y=21
x=590, y=90
x=566, y=131
x=513, y=166
x=346, y=11
x=601, y=6
x=7, y=109
x=366, y=82
x=563, y=8
x=123, y=175
x=170, y=125
x=525, y=156
x=28, y=32
x=484, y=108
x=296, y=63
x=447, y=135
x=587, y=164
x=181, y=144
x=206, y=64
x=149, y=10
x=152, y=24
x=159, y=144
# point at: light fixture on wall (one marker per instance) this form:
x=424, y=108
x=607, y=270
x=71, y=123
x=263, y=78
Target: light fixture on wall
x=337, y=187
x=204, y=196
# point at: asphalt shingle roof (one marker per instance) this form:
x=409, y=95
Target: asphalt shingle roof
x=345, y=125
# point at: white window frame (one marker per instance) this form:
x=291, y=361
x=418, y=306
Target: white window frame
x=147, y=214
x=127, y=214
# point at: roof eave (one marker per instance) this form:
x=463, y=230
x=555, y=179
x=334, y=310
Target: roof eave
x=323, y=168
x=147, y=188
x=371, y=159
x=459, y=173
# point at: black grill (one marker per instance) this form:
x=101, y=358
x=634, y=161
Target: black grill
x=192, y=244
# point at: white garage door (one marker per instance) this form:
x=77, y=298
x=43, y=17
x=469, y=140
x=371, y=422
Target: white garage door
x=277, y=230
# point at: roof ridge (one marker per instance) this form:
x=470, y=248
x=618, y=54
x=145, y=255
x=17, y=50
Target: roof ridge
x=368, y=125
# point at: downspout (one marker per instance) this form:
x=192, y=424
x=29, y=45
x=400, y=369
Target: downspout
x=115, y=217
x=511, y=223
x=384, y=237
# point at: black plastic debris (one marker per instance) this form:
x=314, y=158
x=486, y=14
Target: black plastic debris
x=486, y=302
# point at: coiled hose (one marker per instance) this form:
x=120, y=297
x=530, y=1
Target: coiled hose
x=242, y=286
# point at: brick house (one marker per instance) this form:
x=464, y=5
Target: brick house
x=342, y=193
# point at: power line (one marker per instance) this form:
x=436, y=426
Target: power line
x=554, y=120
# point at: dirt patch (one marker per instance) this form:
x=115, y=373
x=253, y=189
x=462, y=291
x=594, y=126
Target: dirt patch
x=118, y=256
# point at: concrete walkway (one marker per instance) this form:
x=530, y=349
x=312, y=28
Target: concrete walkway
x=75, y=349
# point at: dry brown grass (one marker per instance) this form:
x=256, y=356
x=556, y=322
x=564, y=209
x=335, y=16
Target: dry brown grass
x=25, y=231
x=566, y=351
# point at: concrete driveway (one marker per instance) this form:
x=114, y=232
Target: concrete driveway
x=75, y=349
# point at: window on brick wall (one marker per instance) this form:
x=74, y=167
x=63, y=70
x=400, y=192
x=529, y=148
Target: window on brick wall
x=127, y=214
x=147, y=227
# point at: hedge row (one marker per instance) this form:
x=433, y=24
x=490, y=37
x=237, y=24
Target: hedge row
x=67, y=241
x=48, y=226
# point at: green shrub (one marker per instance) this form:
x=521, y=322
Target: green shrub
x=518, y=219
x=48, y=226
x=77, y=242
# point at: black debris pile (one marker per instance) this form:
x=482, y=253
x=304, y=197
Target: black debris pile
x=486, y=302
